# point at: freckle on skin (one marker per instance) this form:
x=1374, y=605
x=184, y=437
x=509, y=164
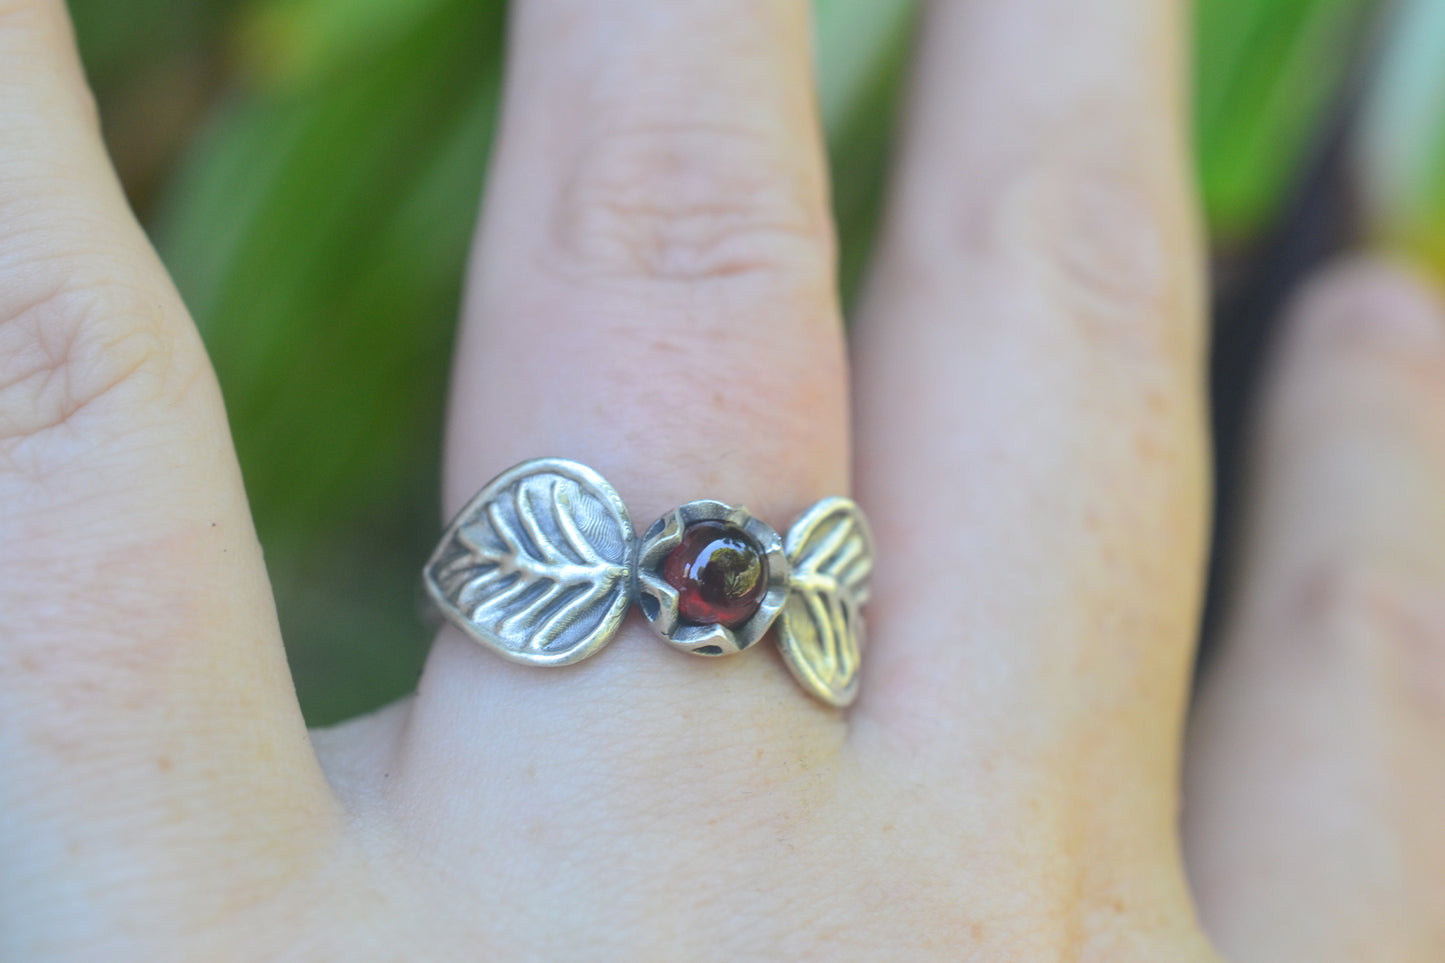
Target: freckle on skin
x=1146, y=447
x=164, y=764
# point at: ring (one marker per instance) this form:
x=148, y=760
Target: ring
x=542, y=565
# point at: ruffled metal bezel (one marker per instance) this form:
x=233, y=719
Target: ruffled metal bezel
x=658, y=599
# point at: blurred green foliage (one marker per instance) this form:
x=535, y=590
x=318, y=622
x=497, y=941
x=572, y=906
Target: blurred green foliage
x=1268, y=73
x=318, y=229
x=311, y=171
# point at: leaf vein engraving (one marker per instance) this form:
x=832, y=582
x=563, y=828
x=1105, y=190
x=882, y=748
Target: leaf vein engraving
x=538, y=604
x=492, y=602
x=558, y=622
x=822, y=547
x=843, y=653
x=563, y=504
x=513, y=558
x=823, y=624
x=527, y=512
x=849, y=552
x=535, y=574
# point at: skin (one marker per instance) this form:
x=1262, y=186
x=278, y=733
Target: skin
x=653, y=274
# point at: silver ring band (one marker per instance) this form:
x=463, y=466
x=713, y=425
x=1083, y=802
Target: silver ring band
x=543, y=563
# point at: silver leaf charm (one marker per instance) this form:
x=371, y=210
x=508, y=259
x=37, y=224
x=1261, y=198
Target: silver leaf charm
x=538, y=566
x=821, y=630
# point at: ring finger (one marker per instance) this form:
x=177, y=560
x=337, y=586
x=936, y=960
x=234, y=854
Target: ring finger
x=651, y=295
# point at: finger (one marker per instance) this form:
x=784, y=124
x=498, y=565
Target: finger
x=1314, y=786
x=652, y=295
x=1028, y=385
x=1029, y=415
x=142, y=681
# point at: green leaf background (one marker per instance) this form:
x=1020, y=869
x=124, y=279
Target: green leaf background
x=311, y=171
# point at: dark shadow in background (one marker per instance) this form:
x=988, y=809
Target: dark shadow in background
x=1252, y=292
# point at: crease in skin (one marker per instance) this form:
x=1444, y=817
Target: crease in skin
x=688, y=203
x=94, y=346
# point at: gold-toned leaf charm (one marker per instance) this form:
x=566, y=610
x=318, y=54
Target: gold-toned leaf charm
x=821, y=630
x=538, y=566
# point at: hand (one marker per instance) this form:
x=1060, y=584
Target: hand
x=653, y=294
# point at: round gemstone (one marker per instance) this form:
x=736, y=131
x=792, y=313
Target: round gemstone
x=720, y=575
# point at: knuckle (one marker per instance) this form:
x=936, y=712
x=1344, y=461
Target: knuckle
x=1375, y=312
x=1102, y=250
x=688, y=203
x=1384, y=625
x=70, y=348
x=1103, y=255
x=1364, y=350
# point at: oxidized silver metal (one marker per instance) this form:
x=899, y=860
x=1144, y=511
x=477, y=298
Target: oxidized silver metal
x=543, y=563
x=658, y=600
x=821, y=630
x=538, y=566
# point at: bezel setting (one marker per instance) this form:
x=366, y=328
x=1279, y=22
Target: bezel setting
x=659, y=600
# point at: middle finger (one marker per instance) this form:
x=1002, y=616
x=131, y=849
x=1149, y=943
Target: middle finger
x=1031, y=416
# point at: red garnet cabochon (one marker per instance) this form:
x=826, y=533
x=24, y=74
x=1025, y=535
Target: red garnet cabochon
x=720, y=575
